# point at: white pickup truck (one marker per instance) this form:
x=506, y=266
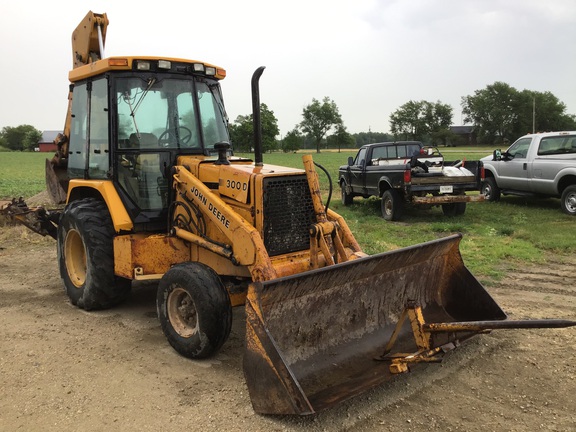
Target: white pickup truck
x=541, y=164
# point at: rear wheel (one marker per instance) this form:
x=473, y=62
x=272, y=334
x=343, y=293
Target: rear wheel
x=460, y=208
x=86, y=256
x=449, y=209
x=194, y=310
x=568, y=200
x=392, y=205
x=454, y=209
x=490, y=190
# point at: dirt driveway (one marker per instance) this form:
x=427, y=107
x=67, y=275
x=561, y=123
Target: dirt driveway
x=62, y=369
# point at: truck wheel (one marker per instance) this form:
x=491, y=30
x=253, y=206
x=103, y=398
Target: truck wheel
x=454, y=209
x=568, y=200
x=194, y=310
x=460, y=208
x=449, y=209
x=347, y=198
x=86, y=256
x=490, y=190
x=392, y=205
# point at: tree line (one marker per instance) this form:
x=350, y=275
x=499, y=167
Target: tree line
x=498, y=113
x=20, y=138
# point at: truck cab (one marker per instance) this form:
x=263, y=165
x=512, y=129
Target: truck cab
x=363, y=171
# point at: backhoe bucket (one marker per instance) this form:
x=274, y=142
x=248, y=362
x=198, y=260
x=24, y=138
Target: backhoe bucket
x=318, y=338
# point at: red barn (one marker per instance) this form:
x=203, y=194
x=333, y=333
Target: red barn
x=46, y=143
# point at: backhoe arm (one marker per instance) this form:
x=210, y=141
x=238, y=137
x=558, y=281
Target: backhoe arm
x=88, y=39
x=87, y=47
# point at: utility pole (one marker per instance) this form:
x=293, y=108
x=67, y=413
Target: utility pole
x=533, y=114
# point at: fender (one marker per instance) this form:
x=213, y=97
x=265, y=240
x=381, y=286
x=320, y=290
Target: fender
x=384, y=183
x=79, y=188
x=564, y=178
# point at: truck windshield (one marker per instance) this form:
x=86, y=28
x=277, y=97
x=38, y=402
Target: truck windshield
x=169, y=113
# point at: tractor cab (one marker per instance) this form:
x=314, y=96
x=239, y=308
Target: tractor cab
x=129, y=126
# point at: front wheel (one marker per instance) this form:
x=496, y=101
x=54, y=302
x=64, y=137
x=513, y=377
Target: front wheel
x=392, y=205
x=568, y=200
x=490, y=189
x=347, y=198
x=194, y=310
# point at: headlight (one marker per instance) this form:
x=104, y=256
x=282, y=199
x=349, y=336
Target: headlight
x=143, y=65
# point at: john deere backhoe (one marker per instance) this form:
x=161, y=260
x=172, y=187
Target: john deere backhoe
x=152, y=191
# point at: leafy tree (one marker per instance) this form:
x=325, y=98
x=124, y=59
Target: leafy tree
x=493, y=110
x=242, y=131
x=31, y=139
x=500, y=112
x=292, y=141
x=341, y=138
x=541, y=112
x=445, y=137
x=319, y=119
x=23, y=137
x=419, y=120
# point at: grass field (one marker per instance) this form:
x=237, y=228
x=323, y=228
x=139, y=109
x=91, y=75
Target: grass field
x=21, y=174
x=516, y=231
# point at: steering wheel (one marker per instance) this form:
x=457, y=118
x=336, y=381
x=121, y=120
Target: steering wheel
x=183, y=138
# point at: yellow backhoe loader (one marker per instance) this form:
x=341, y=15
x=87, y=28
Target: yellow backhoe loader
x=154, y=192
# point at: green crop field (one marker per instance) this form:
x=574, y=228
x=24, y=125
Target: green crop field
x=22, y=174
x=515, y=232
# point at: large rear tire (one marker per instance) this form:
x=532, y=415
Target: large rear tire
x=194, y=310
x=392, y=205
x=86, y=256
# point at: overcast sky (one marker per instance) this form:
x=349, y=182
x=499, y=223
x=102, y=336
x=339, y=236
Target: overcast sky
x=368, y=56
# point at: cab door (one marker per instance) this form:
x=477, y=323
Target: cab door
x=513, y=169
x=356, y=172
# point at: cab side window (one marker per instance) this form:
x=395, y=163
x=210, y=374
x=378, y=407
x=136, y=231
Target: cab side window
x=99, y=161
x=519, y=149
x=89, y=144
x=78, y=132
x=361, y=157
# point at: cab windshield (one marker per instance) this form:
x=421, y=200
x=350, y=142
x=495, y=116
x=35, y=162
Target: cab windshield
x=170, y=113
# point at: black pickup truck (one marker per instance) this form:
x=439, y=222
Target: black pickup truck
x=407, y=172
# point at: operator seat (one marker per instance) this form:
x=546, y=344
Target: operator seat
x=143, y=140
x=152, y=187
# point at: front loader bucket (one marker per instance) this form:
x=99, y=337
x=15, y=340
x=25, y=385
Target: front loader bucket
x=315, y=339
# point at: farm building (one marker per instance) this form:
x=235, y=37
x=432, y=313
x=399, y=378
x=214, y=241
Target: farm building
x=46, y=143
x=465, y=134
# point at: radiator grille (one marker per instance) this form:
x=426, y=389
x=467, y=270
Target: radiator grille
x=288, y=213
